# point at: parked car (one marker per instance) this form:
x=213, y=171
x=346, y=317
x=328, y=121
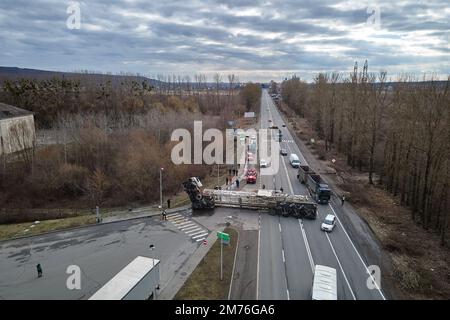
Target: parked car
x=328, y=223
x=283, y=152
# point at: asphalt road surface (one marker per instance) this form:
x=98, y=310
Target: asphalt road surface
x=100, y=251
x=289, y=248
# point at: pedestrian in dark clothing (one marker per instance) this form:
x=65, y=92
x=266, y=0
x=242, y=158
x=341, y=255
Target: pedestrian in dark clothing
x=39, y=270
x=229, y=172
x=342, y=200
x=226, y=181
x=164, y=215
x=264, y=186
x=281, y=189
x=237, y=183
x=168, y=203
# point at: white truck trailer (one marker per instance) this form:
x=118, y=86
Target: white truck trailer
x=324, y=284
x=139, y=280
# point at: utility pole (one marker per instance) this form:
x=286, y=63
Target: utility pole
x=160, y=187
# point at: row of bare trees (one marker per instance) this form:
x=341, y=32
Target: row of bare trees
x=399, y=132
x=108, y=140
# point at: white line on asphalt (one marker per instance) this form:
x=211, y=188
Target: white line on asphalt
x=177, y=220
x=184, y=224
x=362, y=261
x=188, y=226
x=279, y=226
x=282, y=253
x=234, y=265
x=201, y=235
x=288, y=296
x=340, y=266
x=308, y=250
x=190, y=232
x=257, y=264
x=197, y=233
x=200, y=239
x=172, y=215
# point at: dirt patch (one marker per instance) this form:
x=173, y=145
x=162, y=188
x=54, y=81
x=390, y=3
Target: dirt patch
x=419, y=266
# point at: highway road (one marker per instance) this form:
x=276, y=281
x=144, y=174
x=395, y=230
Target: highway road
x=289, y=248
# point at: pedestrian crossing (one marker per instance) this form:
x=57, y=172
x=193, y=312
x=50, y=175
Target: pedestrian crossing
x=192, y=229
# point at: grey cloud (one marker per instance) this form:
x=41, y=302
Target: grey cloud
x=192, y=36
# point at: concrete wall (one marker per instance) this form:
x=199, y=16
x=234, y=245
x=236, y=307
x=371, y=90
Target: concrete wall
x=16, y=134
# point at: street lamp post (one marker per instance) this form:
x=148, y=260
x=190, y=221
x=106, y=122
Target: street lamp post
x=160, y=187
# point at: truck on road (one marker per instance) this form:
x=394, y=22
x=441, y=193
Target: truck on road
x=319, y=190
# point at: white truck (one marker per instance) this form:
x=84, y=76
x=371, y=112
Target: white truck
x=139, y=280
x=324, y=284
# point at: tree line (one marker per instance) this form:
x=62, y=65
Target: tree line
x=399, y=132
x=111, y=139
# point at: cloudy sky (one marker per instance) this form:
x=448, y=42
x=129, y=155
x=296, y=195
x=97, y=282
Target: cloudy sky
x=256, y=40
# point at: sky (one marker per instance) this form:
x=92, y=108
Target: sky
x=255, y=40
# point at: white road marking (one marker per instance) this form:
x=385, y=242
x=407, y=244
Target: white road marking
x=201, y=239
x=308, y=249
x=197, y=233
x=190, y=232
x=288, y=296
x=188, y=226
x=201, y=235
x=340, y=266
x=184, y=224
x=257, y=263
x=362, y=261
x=172, y=215
x=282, y=253
x=279, y=226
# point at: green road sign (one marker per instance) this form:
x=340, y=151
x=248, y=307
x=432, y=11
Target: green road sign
x=224, y=236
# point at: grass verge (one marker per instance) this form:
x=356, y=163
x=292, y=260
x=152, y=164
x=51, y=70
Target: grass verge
x=204, y=283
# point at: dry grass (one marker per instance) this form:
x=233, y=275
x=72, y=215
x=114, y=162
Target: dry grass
x=204, y=283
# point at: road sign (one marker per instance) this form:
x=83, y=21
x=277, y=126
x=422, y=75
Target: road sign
x=224, y=236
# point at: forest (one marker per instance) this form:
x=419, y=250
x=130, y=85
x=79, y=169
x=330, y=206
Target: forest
x=111, y=138
x=398, y=132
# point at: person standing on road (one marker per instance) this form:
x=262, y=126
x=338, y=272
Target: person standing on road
x=237, y=183
x=226, y=181
x=342, y=200
x=281, y=189
x=39, y=270
x=168, y=203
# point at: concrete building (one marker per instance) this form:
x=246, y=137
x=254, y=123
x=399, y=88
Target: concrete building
x=17, y=130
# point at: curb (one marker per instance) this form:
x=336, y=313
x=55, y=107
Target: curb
x=234, y=264
x=91, y=225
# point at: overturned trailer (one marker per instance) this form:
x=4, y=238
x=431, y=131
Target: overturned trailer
x=274, y=202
